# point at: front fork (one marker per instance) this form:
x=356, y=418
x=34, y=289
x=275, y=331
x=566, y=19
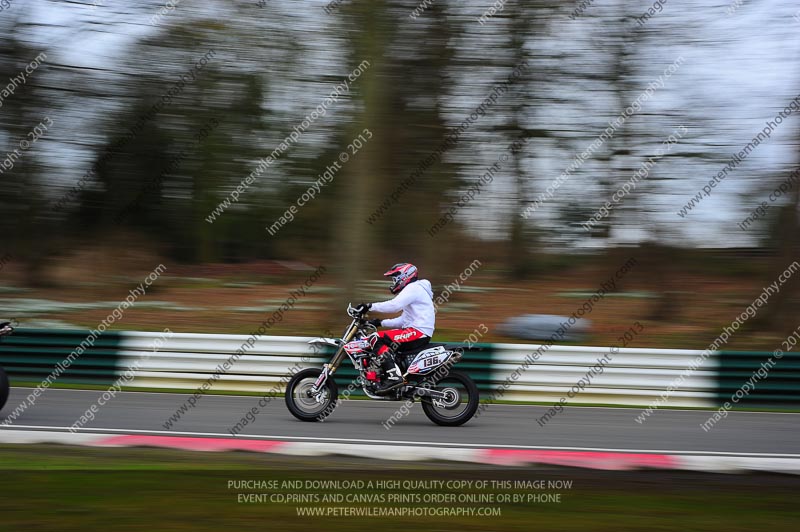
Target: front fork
x=321, y=380
x=330, y=368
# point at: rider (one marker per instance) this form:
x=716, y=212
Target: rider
x=412, y=329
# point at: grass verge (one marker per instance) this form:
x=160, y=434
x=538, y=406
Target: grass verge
x=59, y=488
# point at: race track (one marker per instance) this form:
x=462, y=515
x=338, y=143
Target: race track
x=513, y=426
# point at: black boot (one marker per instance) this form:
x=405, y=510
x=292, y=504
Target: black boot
x=392, y=377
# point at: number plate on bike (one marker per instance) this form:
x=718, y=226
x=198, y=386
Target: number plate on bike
x=429, y=359
x=357, y=346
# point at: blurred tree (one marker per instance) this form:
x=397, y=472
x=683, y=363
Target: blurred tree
x=163, y=173
x=369, y=41
x=784, y=239
x=275, y=63
x=416, y=127
x=527, y=22
x=27, y=233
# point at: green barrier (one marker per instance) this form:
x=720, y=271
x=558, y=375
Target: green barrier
x=30, y=355
x=758, y=379
x=478, y=363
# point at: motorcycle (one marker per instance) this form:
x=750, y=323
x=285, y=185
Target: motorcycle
x=449, y=398
x=5, y=388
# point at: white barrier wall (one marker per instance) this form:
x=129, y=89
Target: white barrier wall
x=628, y=377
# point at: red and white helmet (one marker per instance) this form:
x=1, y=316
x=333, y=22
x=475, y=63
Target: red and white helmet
x=402, y=274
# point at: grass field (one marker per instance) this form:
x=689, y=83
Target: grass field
x=57, y=488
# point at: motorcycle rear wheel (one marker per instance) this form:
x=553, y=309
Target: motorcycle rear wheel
x=460, y=402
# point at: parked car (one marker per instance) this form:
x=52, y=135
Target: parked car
x=542, y=327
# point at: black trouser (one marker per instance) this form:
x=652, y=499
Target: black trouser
x=398, y=348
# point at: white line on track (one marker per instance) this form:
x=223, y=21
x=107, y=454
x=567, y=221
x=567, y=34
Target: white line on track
x=390, y=442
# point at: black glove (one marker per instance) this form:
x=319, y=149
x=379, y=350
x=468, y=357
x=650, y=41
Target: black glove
x=375, y=323
x=363, y=308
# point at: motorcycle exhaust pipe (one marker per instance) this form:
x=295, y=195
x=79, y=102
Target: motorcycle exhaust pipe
x=428, y=392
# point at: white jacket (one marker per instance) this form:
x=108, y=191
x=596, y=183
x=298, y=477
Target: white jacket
x=416, y=302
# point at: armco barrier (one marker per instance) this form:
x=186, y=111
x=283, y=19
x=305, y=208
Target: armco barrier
x=185, y=361
x=780, y=387
x=30, y=355
x=631, y=377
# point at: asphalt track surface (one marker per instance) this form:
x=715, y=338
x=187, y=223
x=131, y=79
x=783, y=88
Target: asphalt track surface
x=503, y=426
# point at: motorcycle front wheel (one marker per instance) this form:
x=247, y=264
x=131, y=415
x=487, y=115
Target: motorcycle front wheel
x=459, y=404
x=306, y=406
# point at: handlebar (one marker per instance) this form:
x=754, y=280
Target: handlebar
x=360, y=318
x=354, y=313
